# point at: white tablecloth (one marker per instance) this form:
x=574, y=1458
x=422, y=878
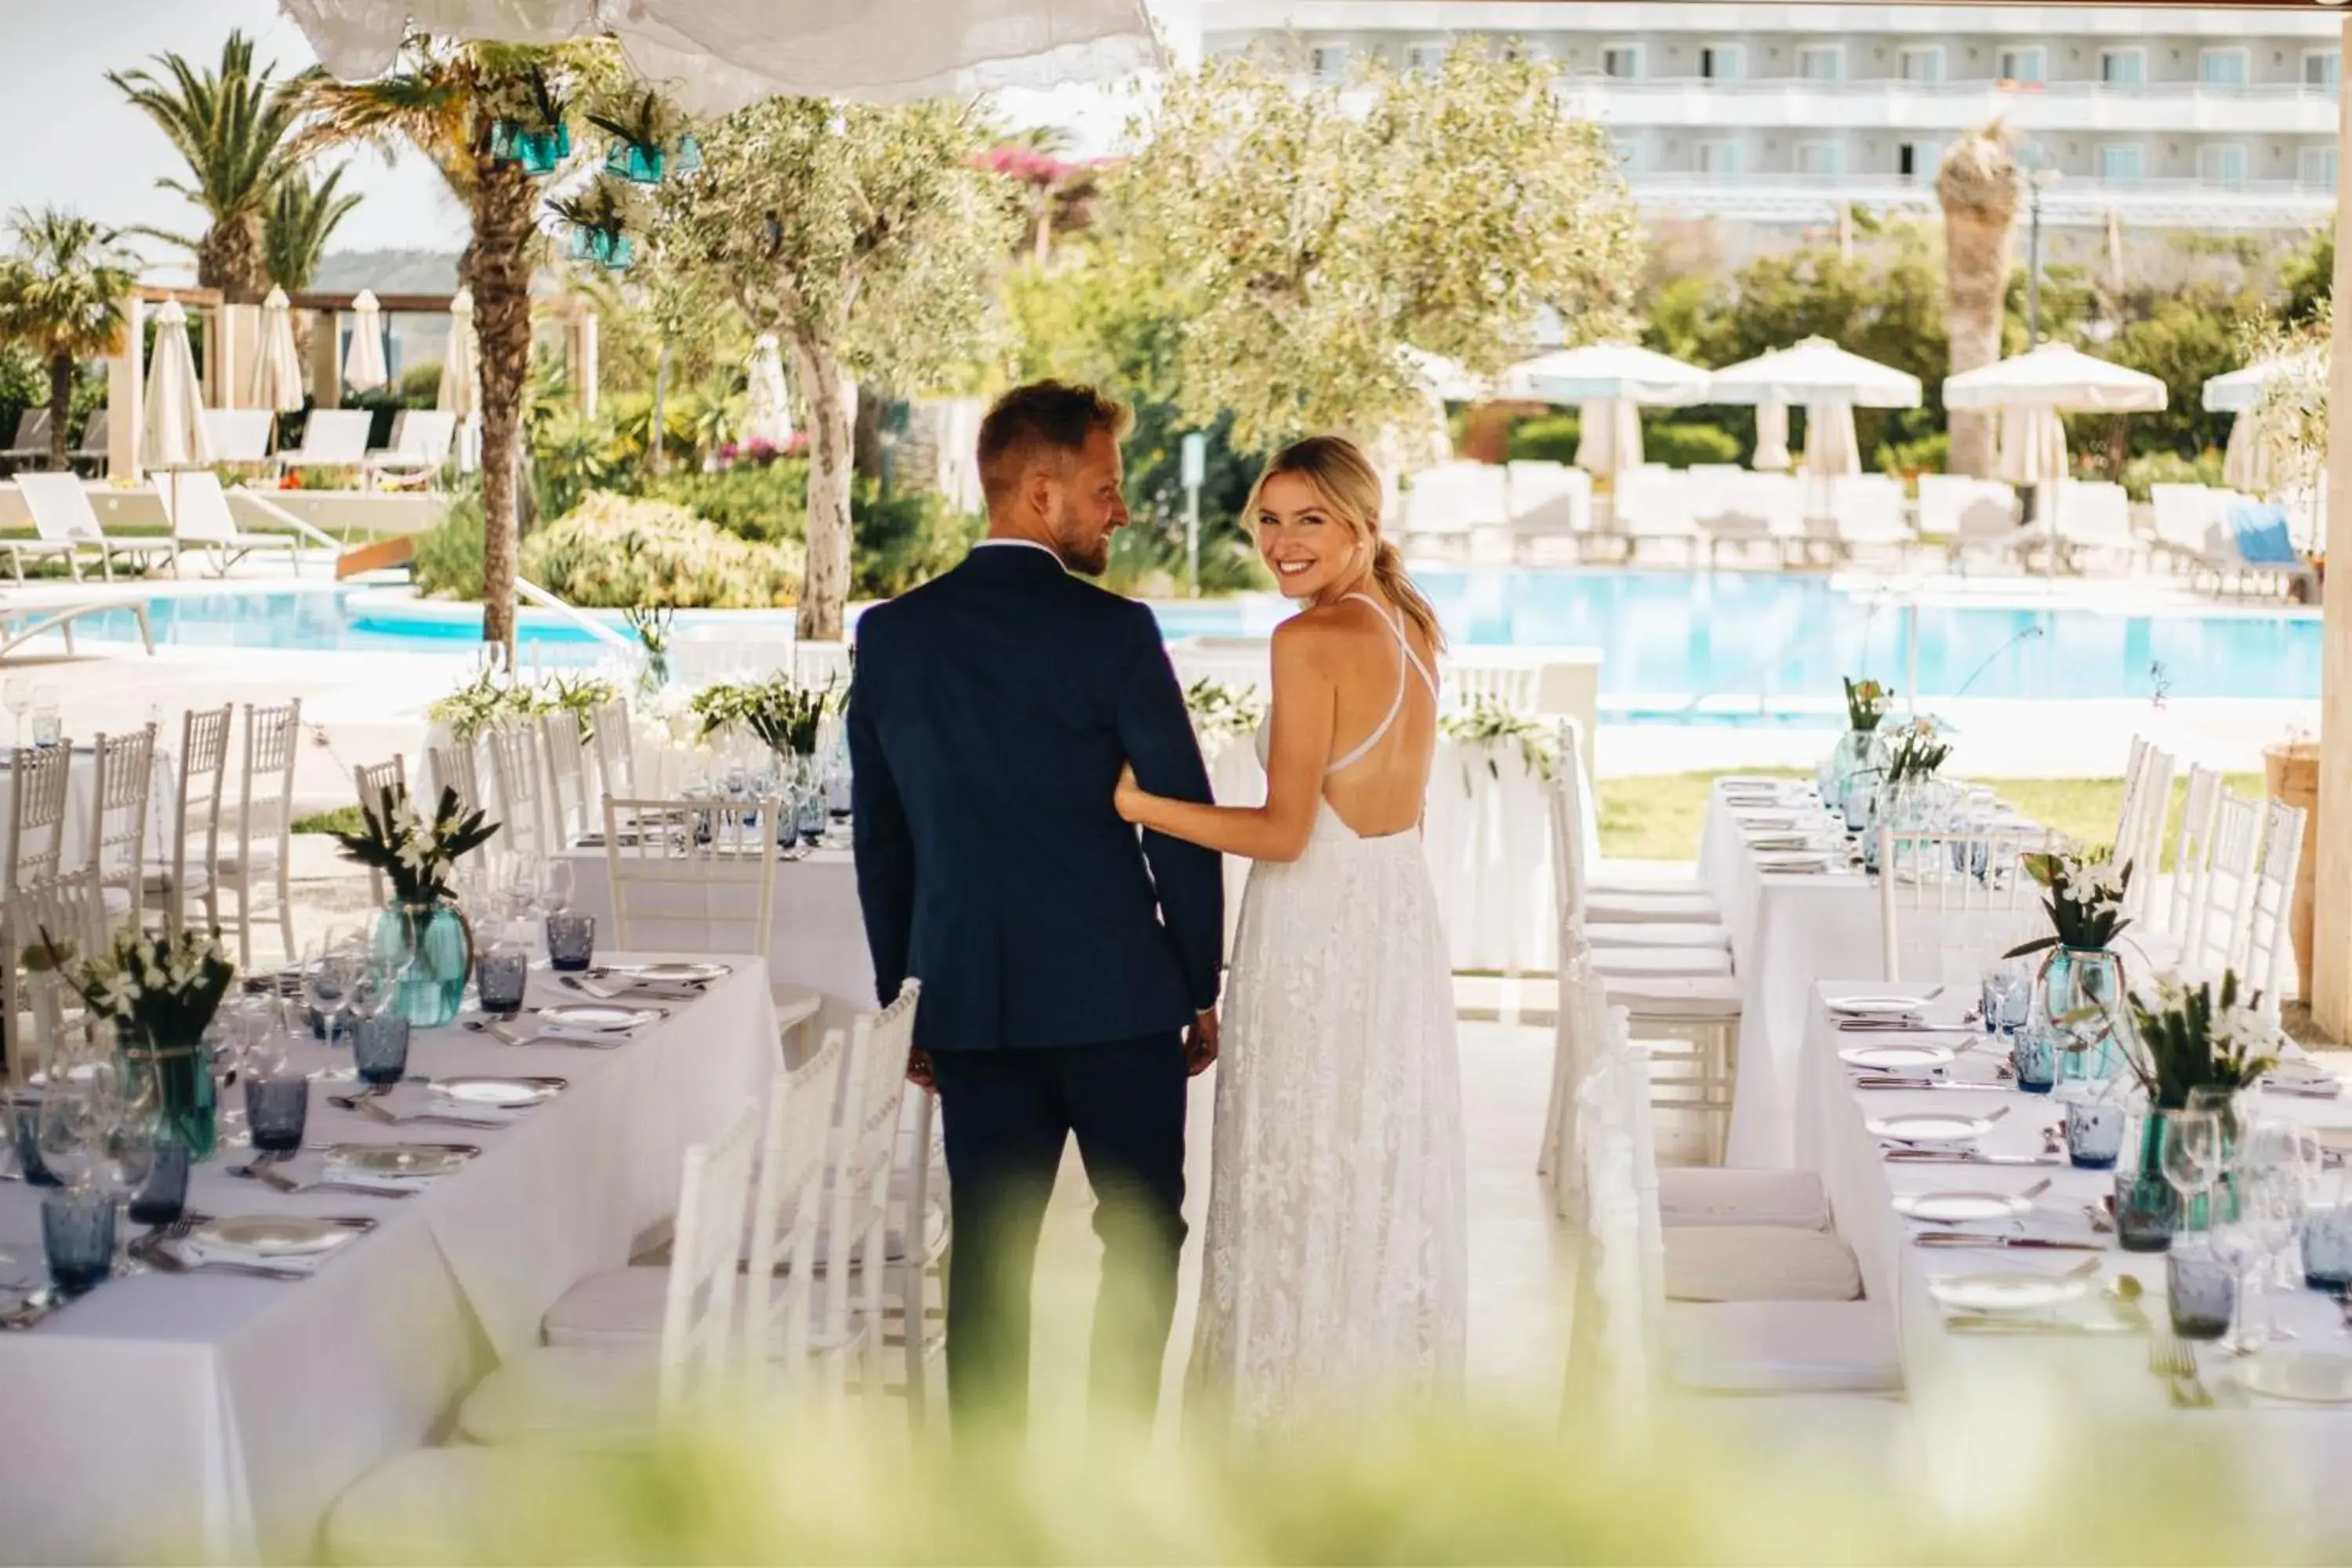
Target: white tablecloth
x=80, y=781
x=164, y=1417
x=1980, y=1396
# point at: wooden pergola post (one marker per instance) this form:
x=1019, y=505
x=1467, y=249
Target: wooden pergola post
x=2331, y=946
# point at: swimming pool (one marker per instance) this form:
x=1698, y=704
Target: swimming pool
x=1668, y=637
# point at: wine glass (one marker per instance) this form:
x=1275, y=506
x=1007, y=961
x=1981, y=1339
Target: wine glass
x=72, y=1121
x=251, y=1019
x=2192, y=1155
x=17, y=697
x=127, y=1151
x=555, y=884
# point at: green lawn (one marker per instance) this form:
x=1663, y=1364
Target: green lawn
x=342, y=819
x=1658, y=816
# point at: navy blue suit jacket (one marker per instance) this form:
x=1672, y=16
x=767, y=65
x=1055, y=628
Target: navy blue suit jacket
x=991, y=711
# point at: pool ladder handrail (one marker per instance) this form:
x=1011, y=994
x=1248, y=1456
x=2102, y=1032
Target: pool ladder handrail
x=527, y=589
x=1900, y=594
x=62, y=622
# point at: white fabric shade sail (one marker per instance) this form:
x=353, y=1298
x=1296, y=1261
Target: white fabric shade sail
x=2055, y=376
x=461, y=364
x=767, y=414
x=174, y=433
x=713, y=56
x=277, y=365
x=1606, y=373
x=1814, y=370
x=364, y=366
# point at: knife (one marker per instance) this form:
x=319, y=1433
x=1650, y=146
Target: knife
x=1996, y=1323
x=1967, y=1157
x=2031, y=1243
x=1880, y=1081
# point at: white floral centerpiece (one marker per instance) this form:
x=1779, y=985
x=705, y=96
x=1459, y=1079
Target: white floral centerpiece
x=160, y=993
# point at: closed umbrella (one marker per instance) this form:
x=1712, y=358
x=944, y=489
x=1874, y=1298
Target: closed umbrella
x=2031, y=390
x=1608, y=437
x=2246, y=463
x=363, y=361
x=175, y=435
x=2249, y=462
x=2032, y=446
x=767, y=416
x=1771, y=439
x=1830, y=449
x=277, y=368
x=1610, y=384
x=461, y=364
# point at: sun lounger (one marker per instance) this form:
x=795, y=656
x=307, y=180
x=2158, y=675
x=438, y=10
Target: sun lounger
x=92, y=447
x=2185, y=517
x=201, y=519
x=1448, y=502
x=1732, y=506
x=421, y=439
x=2263, y=544
x=1862, y=511
x=1547, y=500
x=32, y=442
x=1652, y=505
x=66, y=525
x=239, y=435
x=1967, y=514
x=331, y=438
x=2095, y=516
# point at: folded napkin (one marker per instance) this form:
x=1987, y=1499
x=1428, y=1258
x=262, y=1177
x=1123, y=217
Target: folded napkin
x=1792, y=864
x=376, y=1181
x=199, y=1253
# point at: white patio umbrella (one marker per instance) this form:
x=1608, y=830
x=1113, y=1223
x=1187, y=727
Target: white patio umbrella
x=1608, y=383
x=2032, y=446
x=767, y=414
x=460, y=392
x=363, y=361
x=277, y=382
x=175, y=435
x=718, y=55
x=1814, y=370
x=1608, y=437
x=1830, y=450
x=2243, y=389
x=2033, y=389
x=2246, y=463
x=1771, y=439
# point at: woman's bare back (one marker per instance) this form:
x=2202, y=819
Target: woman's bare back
x=1376, y=778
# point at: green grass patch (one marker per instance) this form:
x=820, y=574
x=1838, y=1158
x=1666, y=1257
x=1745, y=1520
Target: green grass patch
x=1659, y=816
x=342, y=819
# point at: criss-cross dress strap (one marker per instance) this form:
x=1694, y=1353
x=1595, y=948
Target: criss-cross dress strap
x=1363, y=748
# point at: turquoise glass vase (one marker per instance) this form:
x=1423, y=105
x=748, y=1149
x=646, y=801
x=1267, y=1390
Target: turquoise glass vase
x=638, y=162
x=185, y=1097
x=430, y=948
x=2079, y=1004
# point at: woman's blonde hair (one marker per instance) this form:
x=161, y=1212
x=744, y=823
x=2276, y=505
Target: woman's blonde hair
x=1351, y=487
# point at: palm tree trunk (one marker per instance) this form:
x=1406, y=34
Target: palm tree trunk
x=61, y=378
x=229, y=257
x=824, y=586
x=497, y=269
x=1975, y=269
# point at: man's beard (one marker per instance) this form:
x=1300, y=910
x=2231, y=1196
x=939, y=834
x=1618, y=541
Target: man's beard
x=1087, y=560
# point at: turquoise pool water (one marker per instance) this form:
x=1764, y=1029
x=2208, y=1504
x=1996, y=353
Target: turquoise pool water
x=1665, y=634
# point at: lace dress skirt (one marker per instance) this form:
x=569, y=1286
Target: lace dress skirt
x=1334, y=1273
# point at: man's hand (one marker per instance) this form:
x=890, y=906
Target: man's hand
x=918, y=1070
x=1200, y=1044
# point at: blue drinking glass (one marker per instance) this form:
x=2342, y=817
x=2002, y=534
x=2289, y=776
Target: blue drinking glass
x=501, y=976
x=380, y=1047
x=77, y=1237
x=24, y=1134
x=163, y=1196
x=570, y=941
x=2095, y=1133
x=276, y=1109
x=2202, y=1287
x=2034, y=1054
x=2327, y=1249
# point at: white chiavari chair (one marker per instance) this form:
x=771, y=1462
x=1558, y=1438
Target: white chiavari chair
x=2268, y=962
x=71, y=912
x=190, y=868
x=1631, y=933
x=122, y=784
x=700, y=876
x=40, y=779
x=1621, y=896
x=452, y=767
x=371, y=782
x=521, y=792
x=564, y=757
x=615, y=745
x=2192, y=848
x=2226, y=889
x=265, y=826
x=1947, y=900
x=1511, y=688
x=2139, y=821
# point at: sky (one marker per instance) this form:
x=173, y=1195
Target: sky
x=103, y=157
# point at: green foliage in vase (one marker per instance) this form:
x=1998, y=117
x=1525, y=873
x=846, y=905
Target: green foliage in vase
x=2194, y=1039
x=1916, y=752
x=493, y=698
x=1865, y=703
x=166, y=987
x=1488, y=723
x=783, y=714
x=415, y=856
x=2085, y=904
x=1223, y=712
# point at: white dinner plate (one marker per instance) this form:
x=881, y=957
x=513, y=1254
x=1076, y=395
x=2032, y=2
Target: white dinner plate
x=503, y=1093
x=1956, y=1205
x=673, y=973
x=1929, y=1127
x=2006, y=1291
x=272, y=1235
x=2312, y=1376
x=415, y=1160
x=1896, y=1058
x=597, y=1018
x=1872, y=1007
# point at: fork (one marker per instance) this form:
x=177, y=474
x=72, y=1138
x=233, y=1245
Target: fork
x=2171, y=1360
x=371, y=1110
x=173, y=1263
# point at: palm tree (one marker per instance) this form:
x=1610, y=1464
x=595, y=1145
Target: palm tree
x=61, y=297
x=443, y=99
x=1976, y=186
x=297, y=222
x=232, y=126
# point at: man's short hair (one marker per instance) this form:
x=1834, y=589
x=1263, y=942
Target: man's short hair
x=1044, y=416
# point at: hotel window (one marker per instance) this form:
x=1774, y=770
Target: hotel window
x=1718, y=157
x=2322, y=68
x=1424, y=59
x=1922, y=65
x=1622, y=61
x=2119, y=166
x=1821, y=62
x=2317, y=166
x=2222, y=67
x=1629, y=152
x=1327, y=62
x=1821, y=160
x=1723, y=62
x=2123, y=67
x=2221, y=165
x=1907, y=160
x=2022, y=64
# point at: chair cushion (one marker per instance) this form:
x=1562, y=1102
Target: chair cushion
x=616, y=1308
x=265, y=858
x=459, y=1505
x=1782, y=1347
x=193, y=879
x=1712, y=1195
x=1758, y=1263
x=1642, y=963
x=1710, y=998
x=571, y=1396
x=795, y=1004
x=1645, y=876
x=1655, y=933
x=1626, y=909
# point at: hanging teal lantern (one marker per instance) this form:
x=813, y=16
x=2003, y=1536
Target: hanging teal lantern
x=639, y=163
x=608, y=247
x=689, y=157
x=541, y=152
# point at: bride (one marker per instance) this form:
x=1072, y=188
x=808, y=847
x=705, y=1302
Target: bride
x=1334, y=1264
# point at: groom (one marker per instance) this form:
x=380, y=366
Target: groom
x=1070, y=971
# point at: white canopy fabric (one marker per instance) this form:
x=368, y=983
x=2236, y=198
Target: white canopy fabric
x=767, y=414
x=364, y=366
x=1602, y=372
x=460, y=392
x=1830, y=450
x=1771, y=439
x=1814, y=370
x=277, y=382
x=2032, y=445
x=2055, y=376
x=1608, y=437
x=2242, y=389
x=715, y=56
x=175, y=435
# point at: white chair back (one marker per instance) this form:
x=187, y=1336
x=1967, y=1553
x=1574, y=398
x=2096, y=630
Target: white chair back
x=1563, y=799
x=198, y=508
x=333, y=436
x=788, y=1211
x=682, y=870
x=239, y=435
x=880, y=1044
x=371, y=783
x=616, y=753
x=121, y=791
x=2139, y=822
x=204, y=769
x=2192, y=847
x=569, y=810
x=1945, y=899
x=60, y=507
x=1547, y=500
x=2270, y=944
x=1513, y=686
x=702, y=1352
x=70, y=911
x=264, y=819
x=32, y=434
x=452, y=767
x=1970, y=510
x=522, y=795
x=40, y=778
x=1866, y=509
x=95, y=431
x=2227, y=889
x=424, y=434
x=1578, y=1033
x=2095, y=515
x=2182, y=514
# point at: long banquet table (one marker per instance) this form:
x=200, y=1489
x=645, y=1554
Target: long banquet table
x=171, y=1415
x=1976, y=1393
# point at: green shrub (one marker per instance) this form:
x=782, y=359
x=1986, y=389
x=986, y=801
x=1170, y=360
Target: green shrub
x=765, y=503
x=1927, y=454
x=613, y=552
x=1686, y=446
x=2169, y=469
x=1546, y=438
x=449, y=564
x=420, y=384
x=898, y=541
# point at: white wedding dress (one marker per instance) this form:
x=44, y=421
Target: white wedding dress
x=1334, y=1277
